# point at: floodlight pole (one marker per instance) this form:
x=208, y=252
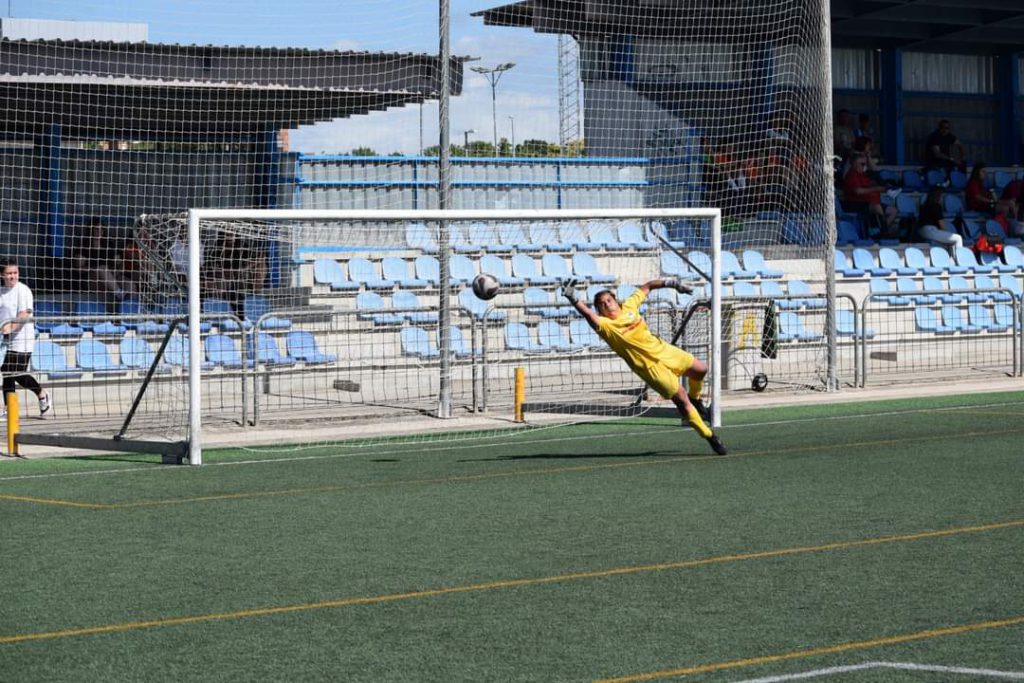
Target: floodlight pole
x=493, y=75
x=444, y=394
x=512, y=122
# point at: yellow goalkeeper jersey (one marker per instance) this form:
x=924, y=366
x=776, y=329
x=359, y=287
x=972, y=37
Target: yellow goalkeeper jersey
x=629, y=336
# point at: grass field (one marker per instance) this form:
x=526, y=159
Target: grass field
x=832, y=538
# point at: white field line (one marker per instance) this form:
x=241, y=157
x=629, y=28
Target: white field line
x=419, y=448
x=905, y=666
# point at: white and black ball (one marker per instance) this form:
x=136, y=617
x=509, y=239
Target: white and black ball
x=485, y=286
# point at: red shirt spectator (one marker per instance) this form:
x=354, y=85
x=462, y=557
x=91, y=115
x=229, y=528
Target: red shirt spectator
x=976, y=197
x=856, y=179
x=1012, y=190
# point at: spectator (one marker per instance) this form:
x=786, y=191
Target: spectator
x=19, y=335
x=863, y=129
x=944, y=150
x=863, y=196
x=178, y=256
x=978, y=198
x=98, y=262
x=931, y=224
x=236, y=267
x=842, y=135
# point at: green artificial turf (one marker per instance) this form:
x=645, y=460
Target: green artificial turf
x=832, y=535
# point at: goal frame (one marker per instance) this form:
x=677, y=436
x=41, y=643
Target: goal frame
x=197, y=215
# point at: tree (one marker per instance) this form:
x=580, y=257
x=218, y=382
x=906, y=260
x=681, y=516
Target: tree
x=364, y=152
x=538, y=148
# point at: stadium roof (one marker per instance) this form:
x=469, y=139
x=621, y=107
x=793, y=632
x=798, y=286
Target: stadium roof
x=141, y=90
x=945, y=26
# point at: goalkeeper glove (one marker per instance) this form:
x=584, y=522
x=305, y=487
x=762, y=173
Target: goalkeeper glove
x=569, y=290
x=677, y=284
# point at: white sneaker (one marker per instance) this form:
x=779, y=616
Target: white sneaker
x=45, y=404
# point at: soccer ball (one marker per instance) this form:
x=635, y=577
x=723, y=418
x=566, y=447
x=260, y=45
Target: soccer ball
x=485, y=286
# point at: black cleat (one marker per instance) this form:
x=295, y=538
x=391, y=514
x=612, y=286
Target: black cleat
x=717, y=446
x=702, y=410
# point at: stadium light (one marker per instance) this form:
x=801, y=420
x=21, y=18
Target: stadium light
x=465, y=141
x=493, y=75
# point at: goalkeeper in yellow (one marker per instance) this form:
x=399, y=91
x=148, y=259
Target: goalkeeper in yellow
x=656, y=362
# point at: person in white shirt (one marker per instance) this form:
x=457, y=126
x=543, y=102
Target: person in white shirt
x=19, y=334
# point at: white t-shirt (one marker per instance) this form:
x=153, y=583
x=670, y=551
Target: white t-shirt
x=12, y=302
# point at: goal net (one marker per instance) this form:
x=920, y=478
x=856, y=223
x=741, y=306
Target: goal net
x=563, y=105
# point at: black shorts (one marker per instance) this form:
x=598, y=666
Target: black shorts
x=15, y=363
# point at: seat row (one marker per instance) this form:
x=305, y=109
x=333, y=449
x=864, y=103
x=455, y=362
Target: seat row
x=358, y=273
x=937, y=261
x=135, y=353
x=505, y=238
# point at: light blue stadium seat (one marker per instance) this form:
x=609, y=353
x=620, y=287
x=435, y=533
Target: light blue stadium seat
x=1007, y=281
x=1004, y=315
x=519, y=338
x=741, y=288
x=428, y=269
x=398, y=270
x=632, y=234
x=912, y=180
x=50, y=358
x=457, y=341
x=585, y=266
x=301, y=345
x=514, y=235
x=845, y=268
x=416, y=312
x=421, y=237
x=546, y=234
x=907, y=206
x=256, y=306
x=986, y=282
x=92, y=355
x=753, y=261
x=957, y=180
x=499, y=268
x=927, y=319
x=959, y=282
x=1001, y=178
x=46, y=308
x=931, y=283
x=525, y=267
x=554, y=266
x=890, y=258
x=178, y=354
x=583, y=336
x=848, y=325
x=415, y=341
x=263, y=349
x=65, y=331
x=602, y=236
x=864, y=260
x=372, y=307
x=702, y=263
x=228, y=321
x=89, y=310
x=731, y=267
x=941, y=259
x=674, y=266
x=885, y=292
x=1014, y=257
x=364, y=272
x=539, y=302
x=980, y=316
x=461, y=269
x=966, y=259
x=222, y=351
x=847, y=233
x=992, y=261
x=916, y=259
x=935, y=176
x=666, y=297
x=908, y=289
x=478, y=308
x=791, y=328
x=801, y=288
x=953, y=317
x=576, y=234
x=327, y=271
x=551, y=334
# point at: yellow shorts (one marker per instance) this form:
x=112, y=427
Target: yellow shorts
x=664, y=376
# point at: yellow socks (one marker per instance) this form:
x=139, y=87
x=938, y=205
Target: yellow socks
x=694, y=387
x=693, y=417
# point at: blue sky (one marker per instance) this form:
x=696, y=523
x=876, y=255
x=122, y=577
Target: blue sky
x=528, y=92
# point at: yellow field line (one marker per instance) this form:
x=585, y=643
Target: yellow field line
x=507, y=583
x=53, y=501
x=816, y=651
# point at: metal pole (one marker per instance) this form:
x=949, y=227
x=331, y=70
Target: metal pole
x=512, y=122
x=195, y=397
x=444, y=399
x=494, y=111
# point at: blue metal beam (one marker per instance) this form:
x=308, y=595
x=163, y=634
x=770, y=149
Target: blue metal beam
x=891, y=106
x=1007, y=87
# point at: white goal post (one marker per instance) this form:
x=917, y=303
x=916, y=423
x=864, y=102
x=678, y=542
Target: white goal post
x=196, y=217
